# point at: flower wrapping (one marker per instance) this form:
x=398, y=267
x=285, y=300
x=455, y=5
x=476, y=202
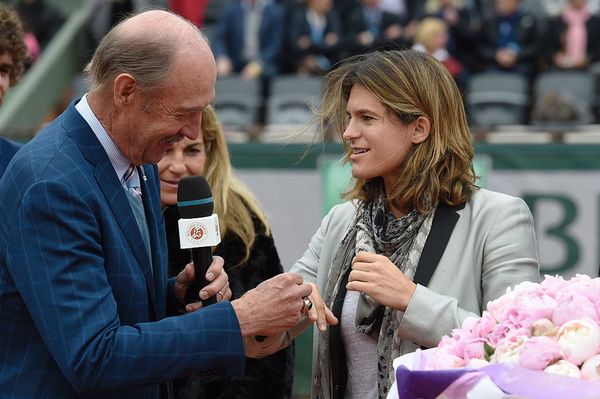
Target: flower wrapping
x=536, y=341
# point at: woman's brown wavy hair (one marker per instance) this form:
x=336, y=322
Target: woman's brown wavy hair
x=409, y=84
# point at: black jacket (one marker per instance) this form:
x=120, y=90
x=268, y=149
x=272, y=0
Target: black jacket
x=555, y=37
x=270, y=377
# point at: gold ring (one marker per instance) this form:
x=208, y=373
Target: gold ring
x=306, y=305
x=220, y=293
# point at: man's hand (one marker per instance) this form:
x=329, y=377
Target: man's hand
x=273, y=306
x=219, y=283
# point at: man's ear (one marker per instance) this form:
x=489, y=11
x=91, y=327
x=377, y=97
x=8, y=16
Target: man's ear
x=124, y=88
x=421, y=130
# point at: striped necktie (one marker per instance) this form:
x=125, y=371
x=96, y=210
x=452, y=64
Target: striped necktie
x=132, y=181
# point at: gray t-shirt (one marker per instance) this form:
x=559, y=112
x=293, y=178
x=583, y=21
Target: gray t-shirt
x=361, y=353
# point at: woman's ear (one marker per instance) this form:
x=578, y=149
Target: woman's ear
x=421, y=130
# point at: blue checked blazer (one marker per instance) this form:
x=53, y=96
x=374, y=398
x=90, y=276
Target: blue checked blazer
x=8, y=149
x=82, y=313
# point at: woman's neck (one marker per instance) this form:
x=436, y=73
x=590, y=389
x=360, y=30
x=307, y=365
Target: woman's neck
x=397, y=210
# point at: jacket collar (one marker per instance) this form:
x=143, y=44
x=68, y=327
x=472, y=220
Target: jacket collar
x=113, y=191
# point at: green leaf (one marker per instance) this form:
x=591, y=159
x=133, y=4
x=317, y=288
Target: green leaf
x=489, y=350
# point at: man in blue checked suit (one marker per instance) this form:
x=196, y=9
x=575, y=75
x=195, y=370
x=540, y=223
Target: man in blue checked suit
x=84, y=300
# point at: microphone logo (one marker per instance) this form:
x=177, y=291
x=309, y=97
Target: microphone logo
x=196, y=233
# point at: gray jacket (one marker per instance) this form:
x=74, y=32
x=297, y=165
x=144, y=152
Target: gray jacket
x=492, y=246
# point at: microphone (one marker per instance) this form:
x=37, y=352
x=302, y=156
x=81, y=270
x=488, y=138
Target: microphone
x=198, y=230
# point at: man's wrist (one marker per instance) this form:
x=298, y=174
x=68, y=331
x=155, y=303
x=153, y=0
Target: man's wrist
x=241, y=312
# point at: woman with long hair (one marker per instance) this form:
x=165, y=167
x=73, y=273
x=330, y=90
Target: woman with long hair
x=418, y=247
x=247, y=248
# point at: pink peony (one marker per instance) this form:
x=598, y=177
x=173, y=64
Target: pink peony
x=474, y=350
x=552, y=326
x=452, y=346
x=590, y=369
x=444, y=360
x=485, y=326
x=579, y=340
x=552, y=285
x=469, y=323
x=538, y=352
x=573, y=308
x=498, y=308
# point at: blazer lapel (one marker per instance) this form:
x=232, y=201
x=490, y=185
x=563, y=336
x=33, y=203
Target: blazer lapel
x=444, y=220
x=119, y=204
x=112, y=189
x=151, y=219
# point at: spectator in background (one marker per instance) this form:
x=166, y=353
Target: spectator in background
x=370, y=27
x=247, y=247
x=509, y=40
x=315, y=32
x=407, y=11
x=432, y=38
x=572, y=40
x=192, y=10
x=33, y=47
x=553, y=8
x=13, y=55
x=41, y=18
x=248, y=39
x=401, y=8
x=107, y=13
x=462, y=27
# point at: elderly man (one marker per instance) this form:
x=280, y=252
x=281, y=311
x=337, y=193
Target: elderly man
x=83, y=290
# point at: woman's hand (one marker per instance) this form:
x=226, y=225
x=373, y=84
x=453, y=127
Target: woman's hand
x=215, y=275
x=320, y=313
x=378, y=277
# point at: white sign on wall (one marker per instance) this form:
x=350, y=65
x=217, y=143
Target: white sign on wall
x=565, y=206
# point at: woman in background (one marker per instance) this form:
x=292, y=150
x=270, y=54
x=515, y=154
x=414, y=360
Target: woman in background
x=247, y=248
x=315, y=32
x=432, y=38
x=572, y=37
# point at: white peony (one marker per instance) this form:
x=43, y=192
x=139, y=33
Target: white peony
x=579, y=339
x=564, y=367
x=590, y=369
x=507, y=351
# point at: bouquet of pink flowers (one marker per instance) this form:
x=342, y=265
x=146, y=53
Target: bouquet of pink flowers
x=530, y=342
x=553, y=326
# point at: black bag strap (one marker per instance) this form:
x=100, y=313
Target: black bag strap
x=444, y=220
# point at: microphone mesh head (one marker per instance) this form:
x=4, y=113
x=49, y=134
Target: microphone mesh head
x=194, y=198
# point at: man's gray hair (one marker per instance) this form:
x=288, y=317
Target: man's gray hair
x=146, y=57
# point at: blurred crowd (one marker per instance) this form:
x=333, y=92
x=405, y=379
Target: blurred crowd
x=267, y=37
x=264, y=39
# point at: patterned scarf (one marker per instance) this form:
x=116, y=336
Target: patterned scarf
x=375, y=229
